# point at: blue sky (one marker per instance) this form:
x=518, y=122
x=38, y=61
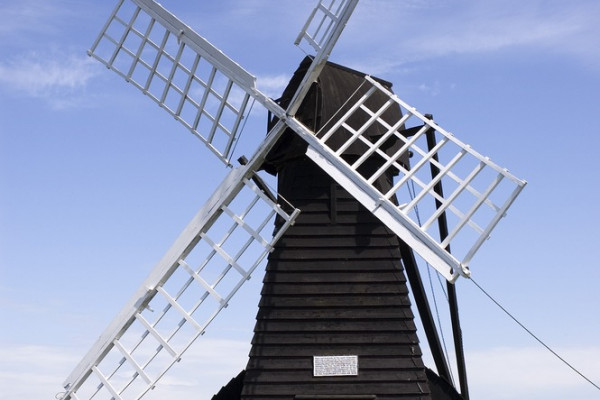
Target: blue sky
x=96, y=181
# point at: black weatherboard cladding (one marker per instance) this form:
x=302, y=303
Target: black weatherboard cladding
x=334, y=284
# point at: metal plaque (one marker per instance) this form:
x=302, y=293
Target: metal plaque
x=335, y=365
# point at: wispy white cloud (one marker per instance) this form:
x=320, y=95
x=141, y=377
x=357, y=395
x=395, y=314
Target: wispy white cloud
x=421, y=30
x=37, y=372
x=273, y=85
x=33, y=372
x=533, y=373
x=432, y=89
x=28, y=16
x=42, y=58
x=54, y=77
x=490, y=30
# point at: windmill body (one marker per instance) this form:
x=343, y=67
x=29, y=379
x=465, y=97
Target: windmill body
x=334, y=316
x=334, y=319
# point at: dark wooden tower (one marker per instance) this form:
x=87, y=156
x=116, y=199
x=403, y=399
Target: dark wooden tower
x=334, y=319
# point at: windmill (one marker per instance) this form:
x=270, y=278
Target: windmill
x=366, y=150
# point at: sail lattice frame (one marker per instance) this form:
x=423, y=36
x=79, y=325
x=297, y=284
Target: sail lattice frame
x=214, y=256
x=478, y=191
x=322, y=22
x=178, y=69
